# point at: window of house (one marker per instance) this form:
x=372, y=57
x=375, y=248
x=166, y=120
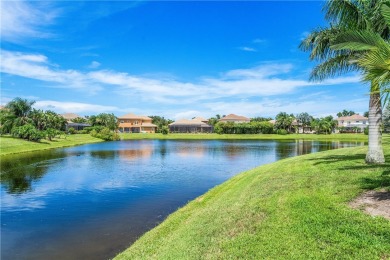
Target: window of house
x=357, y=121
x=349, y=122
x=364, y=122
x=122, y=121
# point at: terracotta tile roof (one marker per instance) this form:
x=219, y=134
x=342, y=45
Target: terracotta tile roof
x=353, y=117
x=199, y=118
x=134, y=116
x=234, y=117
x=148, y=125
x=188, y=122
x=70, y=116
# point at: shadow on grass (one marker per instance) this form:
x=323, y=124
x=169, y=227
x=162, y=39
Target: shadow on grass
x=338, y=158
x=357, y=164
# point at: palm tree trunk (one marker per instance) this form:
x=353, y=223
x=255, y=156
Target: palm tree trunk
x=375, y=150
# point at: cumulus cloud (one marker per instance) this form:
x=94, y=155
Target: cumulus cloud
x=63, y=107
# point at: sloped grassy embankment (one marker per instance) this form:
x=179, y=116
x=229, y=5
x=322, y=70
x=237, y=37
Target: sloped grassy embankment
x=294, y=208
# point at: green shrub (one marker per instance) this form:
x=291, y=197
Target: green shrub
x=50, y=133
x=281, y=132
x=366, y=131
x=83, y=131
x=164, y=130
x=106, y=134
x=71, y=131
x=28, y=132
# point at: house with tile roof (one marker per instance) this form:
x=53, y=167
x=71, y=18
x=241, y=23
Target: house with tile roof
x=70, y=124
x=351, y=122
x=131, y=123
x=70, y=116
x=235, y=119
x=196, y=125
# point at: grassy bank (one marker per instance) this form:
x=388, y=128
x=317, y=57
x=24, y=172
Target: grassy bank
x=292, y=209
x=10, y=145
x=341, y=137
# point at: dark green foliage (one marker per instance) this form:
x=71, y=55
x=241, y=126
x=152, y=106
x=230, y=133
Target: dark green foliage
x=80, y=120
x=71, y=131
x=244, y=128
x=50, y=133
x=105, y=120
x=28, y=132
x=284, y=121
x=160, y=122
x=260, y=119
x=105, y=134
x=324, y=125
x=366, y=131
x=165, y=130
x=281, y=132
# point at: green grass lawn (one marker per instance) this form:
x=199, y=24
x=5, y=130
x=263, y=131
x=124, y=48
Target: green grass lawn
x=10, y=145
x=345, y=137
x=295, y=208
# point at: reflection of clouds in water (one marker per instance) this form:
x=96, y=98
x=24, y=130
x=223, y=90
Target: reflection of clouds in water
x=62, y=182
x=12, y=203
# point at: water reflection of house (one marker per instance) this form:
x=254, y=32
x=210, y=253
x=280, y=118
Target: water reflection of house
x=196, y=125
x=70, y=124
x=131, y=123
x=134, y=154
x=190, y=151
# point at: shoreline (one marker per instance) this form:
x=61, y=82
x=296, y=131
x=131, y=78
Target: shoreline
x=11, y=146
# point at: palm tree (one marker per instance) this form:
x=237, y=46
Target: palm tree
x=347, y=16
x=21, y=109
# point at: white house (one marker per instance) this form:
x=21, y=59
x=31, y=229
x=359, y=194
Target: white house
x=350, y=122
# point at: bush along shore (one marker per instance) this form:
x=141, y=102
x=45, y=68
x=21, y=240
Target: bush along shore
x=296, y=208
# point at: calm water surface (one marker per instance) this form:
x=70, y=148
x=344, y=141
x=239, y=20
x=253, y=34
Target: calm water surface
x=93, y=201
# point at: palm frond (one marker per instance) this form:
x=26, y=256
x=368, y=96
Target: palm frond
x=333, y=67
x=347, y=13
x=385, y=11
x=356, y=41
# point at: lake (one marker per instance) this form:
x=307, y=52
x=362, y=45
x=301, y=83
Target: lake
x=93, y=201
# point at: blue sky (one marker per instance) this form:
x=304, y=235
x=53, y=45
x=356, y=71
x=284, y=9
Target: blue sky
x=174, y=59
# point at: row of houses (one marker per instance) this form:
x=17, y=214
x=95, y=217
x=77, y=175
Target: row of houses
x=131, y=123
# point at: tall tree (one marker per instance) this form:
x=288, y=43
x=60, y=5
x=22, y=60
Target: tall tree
x=346, y=16
x=21, y=109
x=304, y=119
x=284, y=121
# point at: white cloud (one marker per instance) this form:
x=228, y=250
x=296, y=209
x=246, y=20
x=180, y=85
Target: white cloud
x=266, y=80
x=74, y=107
x=247, y=49
x=94, y=65
x=21, y=20
x=258, y=40
x=186, y=114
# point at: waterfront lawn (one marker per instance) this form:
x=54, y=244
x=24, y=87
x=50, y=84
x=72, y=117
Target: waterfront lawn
x=338, y=137
x=10, y=145
x=296, y=208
